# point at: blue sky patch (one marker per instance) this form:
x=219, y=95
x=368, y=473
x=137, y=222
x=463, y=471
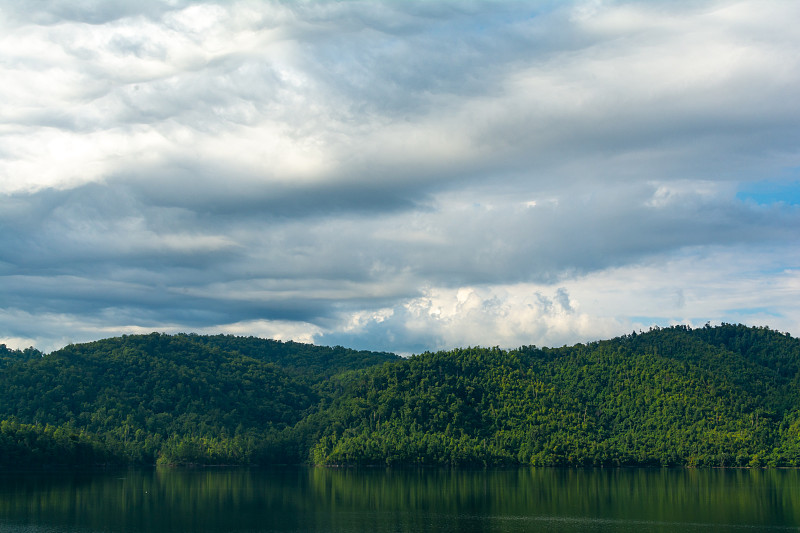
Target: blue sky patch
x=771, y=192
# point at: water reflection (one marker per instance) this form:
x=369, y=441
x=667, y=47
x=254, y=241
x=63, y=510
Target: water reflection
x=345, y=500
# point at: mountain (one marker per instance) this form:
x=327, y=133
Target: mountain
x=712, y=396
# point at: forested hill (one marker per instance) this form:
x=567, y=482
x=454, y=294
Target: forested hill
x=143, y=397
x=713, y=396
x=705, y=397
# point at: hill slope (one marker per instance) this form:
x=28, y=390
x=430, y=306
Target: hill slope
x=720, y=396
x=182, y=397
x=712, y=396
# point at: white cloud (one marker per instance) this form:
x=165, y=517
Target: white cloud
x=506, y=315
x=704, y=285
x=280, y=330
x=751, y=284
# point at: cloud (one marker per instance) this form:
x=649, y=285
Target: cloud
x=449, y=318
x=336, y=170
x=693, y=287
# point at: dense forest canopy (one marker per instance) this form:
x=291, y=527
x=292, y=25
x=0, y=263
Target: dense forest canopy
x=712, y=396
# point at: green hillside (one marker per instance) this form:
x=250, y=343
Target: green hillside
x=175, y=398
x=713, y=396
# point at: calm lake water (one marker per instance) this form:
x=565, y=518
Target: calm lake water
x=377, y=500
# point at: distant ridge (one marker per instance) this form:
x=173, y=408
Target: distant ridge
x=712, y=396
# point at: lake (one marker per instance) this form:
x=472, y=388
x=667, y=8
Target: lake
x=397, y=500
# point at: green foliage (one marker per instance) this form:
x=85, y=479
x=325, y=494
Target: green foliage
x=25, y=445
x=303, y=359
x=721, y=396
x=176, y=399
x=10, y=357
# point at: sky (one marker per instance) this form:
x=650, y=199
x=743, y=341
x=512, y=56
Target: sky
x=399, y=176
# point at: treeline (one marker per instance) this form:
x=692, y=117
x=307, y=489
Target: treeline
x=713, y=396
x=8, y=356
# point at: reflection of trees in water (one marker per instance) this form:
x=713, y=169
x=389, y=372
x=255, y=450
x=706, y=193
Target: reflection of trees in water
x=623, y=492
x=321, y=499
